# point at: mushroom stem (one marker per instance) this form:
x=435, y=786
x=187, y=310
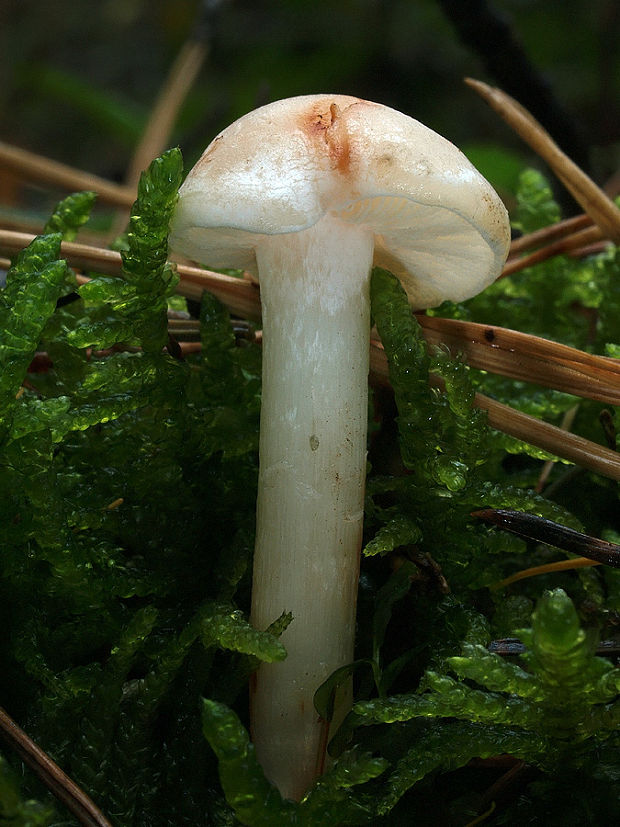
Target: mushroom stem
x=316, y=327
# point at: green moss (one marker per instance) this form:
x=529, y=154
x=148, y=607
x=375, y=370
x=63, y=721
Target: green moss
x=127, y=496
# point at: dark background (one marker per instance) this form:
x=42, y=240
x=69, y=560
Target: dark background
x=79, y=78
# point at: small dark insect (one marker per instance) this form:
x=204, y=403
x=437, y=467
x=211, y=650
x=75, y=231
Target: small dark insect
x=554, y=534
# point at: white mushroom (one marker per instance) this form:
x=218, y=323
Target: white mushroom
x=308, y=193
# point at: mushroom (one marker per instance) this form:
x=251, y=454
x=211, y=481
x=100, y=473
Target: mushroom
x=307, y=193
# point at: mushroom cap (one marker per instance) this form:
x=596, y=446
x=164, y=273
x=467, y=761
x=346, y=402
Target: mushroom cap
x=438, y=224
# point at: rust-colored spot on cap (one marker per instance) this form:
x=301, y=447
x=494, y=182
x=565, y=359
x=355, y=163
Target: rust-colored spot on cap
x=337, y=139
x=325, y=122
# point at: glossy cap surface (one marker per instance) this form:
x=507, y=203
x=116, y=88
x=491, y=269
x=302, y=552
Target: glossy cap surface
x=437, y=223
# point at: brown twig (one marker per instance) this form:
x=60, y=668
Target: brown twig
x=58, y=782
x=240, y=296
x=181, y=77
x=541, y=530
x=546, y=568
x=527, y=358
x=566, y=234
x=567, y=424
x=592, y=198
x=32, y=167
x=564, y=246
x=503, y=418
x=163, y=115
x=548, y=234
x=500, y=789
x=495, y=349
x=184, y=327
x=550, y=438
x=486, y=347
x=528, y=428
